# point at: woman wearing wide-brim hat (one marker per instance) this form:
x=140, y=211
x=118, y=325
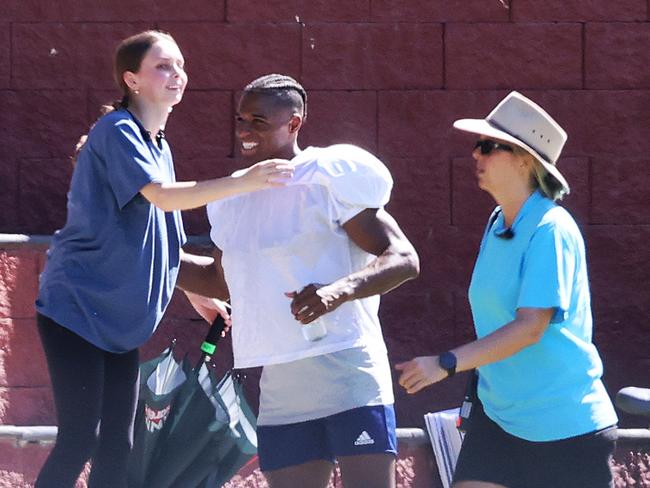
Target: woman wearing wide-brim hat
x=544, y=418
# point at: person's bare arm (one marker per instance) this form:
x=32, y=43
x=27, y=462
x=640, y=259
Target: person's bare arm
x=185, y=195
x=526, y=329
x=376, y=232
x=202, y=275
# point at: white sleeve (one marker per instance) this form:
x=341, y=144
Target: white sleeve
x=356, y=179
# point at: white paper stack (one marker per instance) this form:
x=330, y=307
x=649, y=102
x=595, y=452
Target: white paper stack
x=446, y=440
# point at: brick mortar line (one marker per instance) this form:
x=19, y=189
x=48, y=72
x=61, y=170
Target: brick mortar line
x=361, y=90
x=590, y=190
x=11, y=54
x=369, y=21
x=377, y=121
x=444, y=56
x=15, y=241
x=450, y=164
x=583, y=40
x=233, y=139
x=301, y=52
x=324, y=22
x=27, y=387
x=454, y=308
x=470, y=90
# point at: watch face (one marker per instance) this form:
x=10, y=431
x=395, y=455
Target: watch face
x=447, y=361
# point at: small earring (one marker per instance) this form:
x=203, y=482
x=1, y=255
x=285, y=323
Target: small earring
x=137, y=92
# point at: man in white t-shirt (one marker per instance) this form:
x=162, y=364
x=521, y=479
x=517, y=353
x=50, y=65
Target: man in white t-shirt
x=304, y=265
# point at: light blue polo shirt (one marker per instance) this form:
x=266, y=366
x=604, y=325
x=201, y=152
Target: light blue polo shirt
x=111, y=270
x=550, y=390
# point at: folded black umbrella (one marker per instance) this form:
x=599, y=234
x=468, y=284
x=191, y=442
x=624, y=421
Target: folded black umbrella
x=229, y=452
x=216, y=450
x=160, y=383
x=208, y=433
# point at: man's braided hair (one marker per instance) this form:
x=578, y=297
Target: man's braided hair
x=286, y=90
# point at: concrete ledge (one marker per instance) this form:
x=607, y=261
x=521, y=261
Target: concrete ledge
x=412, y=437
x=634, y=435
x=45, y=434
x=33, y=434
x=13, y=241
x=23, y=449
x=26, y=447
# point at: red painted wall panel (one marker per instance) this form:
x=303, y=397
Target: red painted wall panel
x=227, y=56
x=5, y=69
x=40, y=123
x=42, y=189
x=416, y=123
x=617, y=55
x=18, y=283
x=601, y=122
x=65, y=56
x=335, y=117
x=619, y=270
x=9, y=195
x=23, y=362
x=438, y=11
x=198, y=129
x=620, y=191
x=298, y=11
x=514, y=56
x=117, y=11
x=372, y=56
x=579, y=10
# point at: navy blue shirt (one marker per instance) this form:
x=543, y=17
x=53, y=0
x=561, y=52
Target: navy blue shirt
x=111, y=270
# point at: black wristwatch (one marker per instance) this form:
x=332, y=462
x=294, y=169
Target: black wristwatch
x=447, y=361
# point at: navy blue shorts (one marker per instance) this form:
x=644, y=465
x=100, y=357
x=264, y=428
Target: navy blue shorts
x=364, y=430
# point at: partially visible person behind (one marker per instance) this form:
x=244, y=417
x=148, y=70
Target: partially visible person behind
x=111, y=270
x=544, y=418
x=304, y=266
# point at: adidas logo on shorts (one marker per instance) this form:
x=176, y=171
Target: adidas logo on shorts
x=364, y=439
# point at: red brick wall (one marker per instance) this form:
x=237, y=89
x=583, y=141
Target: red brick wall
x=388, y=75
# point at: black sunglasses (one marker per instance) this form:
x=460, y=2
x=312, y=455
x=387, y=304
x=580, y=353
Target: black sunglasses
x=488, y=145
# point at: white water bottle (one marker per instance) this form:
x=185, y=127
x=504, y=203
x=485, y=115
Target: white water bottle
x=314, y=331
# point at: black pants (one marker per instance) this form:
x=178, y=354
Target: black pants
x=492, y=455
x=95, y=393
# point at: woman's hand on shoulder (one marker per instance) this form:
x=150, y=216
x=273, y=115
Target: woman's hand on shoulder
x=420, y=372
x=266, y=174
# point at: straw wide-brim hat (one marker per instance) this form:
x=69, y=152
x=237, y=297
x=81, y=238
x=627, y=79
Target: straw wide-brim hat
x=520, y=121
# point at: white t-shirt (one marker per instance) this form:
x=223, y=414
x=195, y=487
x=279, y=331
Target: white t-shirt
x=324, y=385
x=282, y=239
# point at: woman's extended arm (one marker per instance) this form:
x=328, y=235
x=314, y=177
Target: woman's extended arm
x=186, y=195
x=526, y=329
